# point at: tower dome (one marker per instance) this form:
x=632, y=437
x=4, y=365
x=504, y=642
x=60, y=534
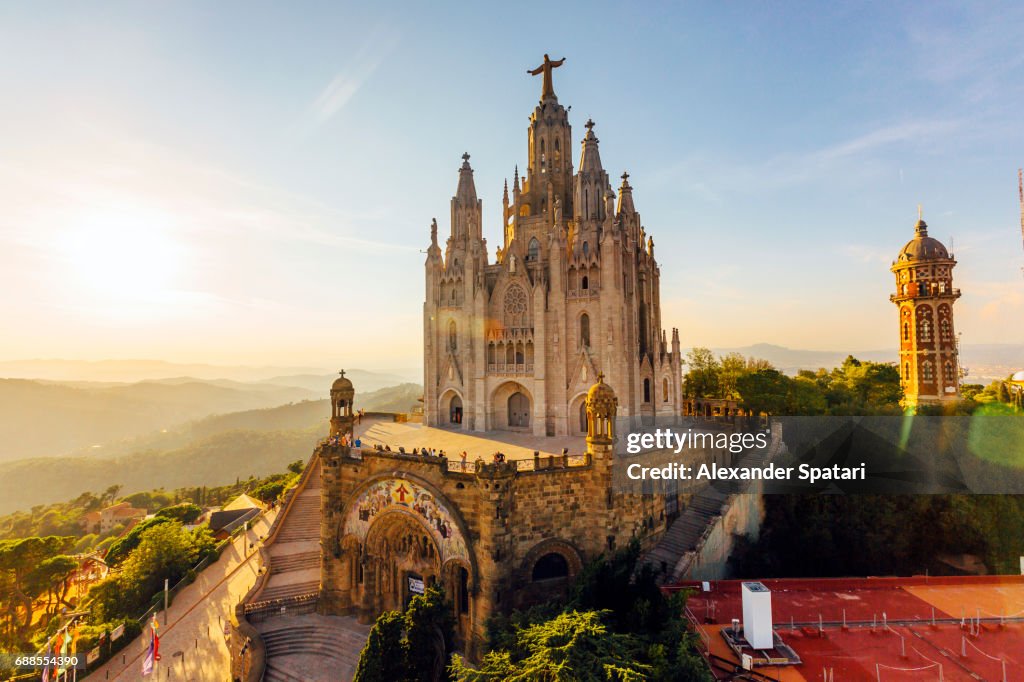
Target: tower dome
x=602, y=406
x=342, y=385
x=342, y=396
x=922, y=247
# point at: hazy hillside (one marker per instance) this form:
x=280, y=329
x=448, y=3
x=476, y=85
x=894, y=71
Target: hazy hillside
x=130, y=371
x=43, y=419
x=216, y=460
x=321, y=383
x=985, y=361
x=214, y=450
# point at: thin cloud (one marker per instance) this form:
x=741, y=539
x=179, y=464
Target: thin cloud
x=347, y=82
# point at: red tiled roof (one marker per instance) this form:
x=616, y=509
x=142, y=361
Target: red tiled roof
x=888, y=625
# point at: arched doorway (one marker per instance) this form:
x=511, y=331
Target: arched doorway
x=455, y=410
x=583, y=417
x=518, y=410
x=403, y=559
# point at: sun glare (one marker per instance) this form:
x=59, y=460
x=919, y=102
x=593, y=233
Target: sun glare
x=125, y=255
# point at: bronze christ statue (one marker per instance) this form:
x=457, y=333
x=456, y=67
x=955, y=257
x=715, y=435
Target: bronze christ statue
x=545, y=68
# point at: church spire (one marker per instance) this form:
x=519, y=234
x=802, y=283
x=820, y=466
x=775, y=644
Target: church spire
x=590, y=158
x=625, y=197
x=466, y=193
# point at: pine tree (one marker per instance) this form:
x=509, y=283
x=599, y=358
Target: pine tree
x=385, y=658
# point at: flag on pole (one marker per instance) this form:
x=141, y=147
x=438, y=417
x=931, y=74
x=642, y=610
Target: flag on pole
x=46, y=667
x=64, y=646
x=156, y=638
x=147, y=661
x=153, y=652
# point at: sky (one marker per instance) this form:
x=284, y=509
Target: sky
x=253, y=182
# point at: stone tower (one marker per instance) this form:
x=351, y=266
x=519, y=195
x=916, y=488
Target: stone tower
x=929, y=362
x=574, y=292
x=342, y=395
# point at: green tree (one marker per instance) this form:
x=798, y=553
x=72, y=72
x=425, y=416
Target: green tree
x=385, y=658
x=765, y=390
x=702, y=378
x=429, y=623
x=572, y=646
x=122, y=547
x=1003, y=393
x=731, y=368
x=185, y=512
x=410, y=646
x=18, y=560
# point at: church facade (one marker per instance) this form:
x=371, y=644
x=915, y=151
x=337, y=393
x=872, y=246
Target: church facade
x=573, y=291
x=494, y=536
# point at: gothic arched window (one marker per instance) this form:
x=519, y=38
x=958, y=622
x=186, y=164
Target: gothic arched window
x=533, y=251
x=906, y=372
x=647, y=390
x=664, y=390
x=585, y=330
x=948, y=371
x=584, y=282
x=453, y=336
x=906, y=331
x=586, y=249
x=927, y=371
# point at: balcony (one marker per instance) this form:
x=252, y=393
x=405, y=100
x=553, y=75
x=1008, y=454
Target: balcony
x=510, y=368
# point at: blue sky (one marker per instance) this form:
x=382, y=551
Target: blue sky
x=253, y=182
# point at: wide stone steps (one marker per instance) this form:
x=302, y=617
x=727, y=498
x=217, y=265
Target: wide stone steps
x=286, y=591
x=275, y=672
x=312, y=648
x=313, y=640
x=294, y=562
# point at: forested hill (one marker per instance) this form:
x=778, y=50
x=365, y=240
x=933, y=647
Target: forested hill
x=217, y=460
x=214, y=450
x=42, y=419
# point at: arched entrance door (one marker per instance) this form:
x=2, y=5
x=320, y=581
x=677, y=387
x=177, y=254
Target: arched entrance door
x=455, y=410
x=518, y=410
x=583, y=416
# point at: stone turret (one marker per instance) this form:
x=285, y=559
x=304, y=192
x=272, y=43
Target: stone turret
x=342, y=396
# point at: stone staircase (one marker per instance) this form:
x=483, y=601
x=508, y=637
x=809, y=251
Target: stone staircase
x=295, y=550
x=687, y=532
x=312, y=648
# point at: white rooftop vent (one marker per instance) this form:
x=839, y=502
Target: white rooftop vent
x=757, y=616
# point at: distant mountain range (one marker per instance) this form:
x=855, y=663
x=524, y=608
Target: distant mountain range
x=985, y=362
x=132, y=371
x=212, y=450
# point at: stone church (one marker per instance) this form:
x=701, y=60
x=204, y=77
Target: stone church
x=494, y=536
x=573, y=291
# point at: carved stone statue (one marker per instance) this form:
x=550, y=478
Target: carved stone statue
x=545, y=68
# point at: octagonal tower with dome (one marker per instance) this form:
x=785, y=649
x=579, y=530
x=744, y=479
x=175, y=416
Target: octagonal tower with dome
x=929, y=353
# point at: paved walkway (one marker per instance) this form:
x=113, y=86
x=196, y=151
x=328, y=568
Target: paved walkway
x=192, y=643
x=514, y=444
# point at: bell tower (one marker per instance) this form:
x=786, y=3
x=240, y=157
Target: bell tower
x=929, y=355
x=342, y=395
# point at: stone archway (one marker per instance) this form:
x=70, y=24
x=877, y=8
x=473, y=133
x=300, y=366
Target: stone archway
x=403, y=560
x=518, y=410
x=511, y=407
x=450, y=408
x=578, y=415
